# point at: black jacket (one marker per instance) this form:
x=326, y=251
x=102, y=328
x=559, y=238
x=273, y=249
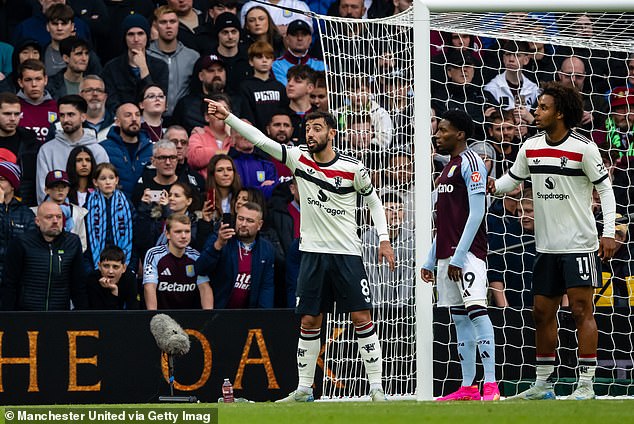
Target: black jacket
x=16, y=218
x=43, y=276
x=123, y=86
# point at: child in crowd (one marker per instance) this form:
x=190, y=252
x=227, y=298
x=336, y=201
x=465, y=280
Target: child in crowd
x=262, y=93
x=109, y=286
x=57, y=187
x=110, y=216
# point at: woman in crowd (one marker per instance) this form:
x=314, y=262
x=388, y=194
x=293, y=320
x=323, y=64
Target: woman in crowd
x=258, y=26
x=223, y=185
x=79, y=167
x=110, y=217
x=214, y=139
x=153, y=104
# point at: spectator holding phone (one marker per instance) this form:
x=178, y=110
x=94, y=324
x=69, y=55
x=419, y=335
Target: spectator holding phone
x=223, y=184
x=239, y=262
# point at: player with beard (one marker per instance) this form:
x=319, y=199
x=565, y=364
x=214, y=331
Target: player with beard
x=54, y=154
x=329, y=185
x=460, y=250
x=128, y=148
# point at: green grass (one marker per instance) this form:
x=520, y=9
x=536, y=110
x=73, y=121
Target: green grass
x=540, y=412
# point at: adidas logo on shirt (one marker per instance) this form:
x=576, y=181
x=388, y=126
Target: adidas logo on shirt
x=166, y=272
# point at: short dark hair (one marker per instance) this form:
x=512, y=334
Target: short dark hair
x=112, y=253
x=8, y=98
x=460, y=120
x=74, y=100
x=568, y=102
x=67, y=45
x=60, y=12
x=31, y=65
x=330, y=120
x=302, y=72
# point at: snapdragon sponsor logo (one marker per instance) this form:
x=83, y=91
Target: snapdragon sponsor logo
x=552, y=196
x=328, y=210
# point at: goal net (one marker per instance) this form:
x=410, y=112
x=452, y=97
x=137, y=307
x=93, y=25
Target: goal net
x=370, y=71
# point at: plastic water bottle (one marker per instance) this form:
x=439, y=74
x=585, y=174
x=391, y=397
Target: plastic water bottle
x=227, y=391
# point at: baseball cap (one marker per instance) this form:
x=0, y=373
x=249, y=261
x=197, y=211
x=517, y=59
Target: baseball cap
x=226, y=20
x=299, y=25
x=621, y=96
x=207, y=61
x=56, y=176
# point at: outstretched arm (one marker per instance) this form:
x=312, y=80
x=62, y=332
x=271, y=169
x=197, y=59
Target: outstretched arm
x=248, y=131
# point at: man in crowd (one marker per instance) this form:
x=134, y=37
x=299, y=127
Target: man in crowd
x=44, y=267
x=54, y=154
x=39, y=109
x=240, y=262
x=297, y=41
x=18, y=145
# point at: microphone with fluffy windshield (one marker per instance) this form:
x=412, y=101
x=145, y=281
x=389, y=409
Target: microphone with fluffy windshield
x=172, y=340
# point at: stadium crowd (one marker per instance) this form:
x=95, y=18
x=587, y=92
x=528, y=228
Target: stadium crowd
x=104, y=135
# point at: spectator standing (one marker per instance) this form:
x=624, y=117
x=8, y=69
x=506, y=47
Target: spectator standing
x=230, y=50
x=39, y=109
x=15, y=217
x=240, y=262
x=129, y=149
x=99, y=118
x=170, y=279
x=152, y=104
x=262, y=94
x=298, y=39
x=43, y=268
x=213, y=140
x=81, y=163
x=110, y=217
x=180, y=60
x=18, y=145
x=126, y=75
x=567, y=243
x=54, y=154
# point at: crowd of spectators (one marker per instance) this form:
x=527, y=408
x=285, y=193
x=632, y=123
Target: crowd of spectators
x=104, y=136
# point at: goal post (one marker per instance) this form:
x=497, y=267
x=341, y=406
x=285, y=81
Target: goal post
x=354, y=52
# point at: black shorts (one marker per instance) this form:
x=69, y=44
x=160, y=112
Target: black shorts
x=326, y=278
x=554, y=273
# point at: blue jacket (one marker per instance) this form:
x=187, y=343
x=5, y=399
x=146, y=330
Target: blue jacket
x=35, y=28
x=282, y=64
x=130, y=169
x=221, y=266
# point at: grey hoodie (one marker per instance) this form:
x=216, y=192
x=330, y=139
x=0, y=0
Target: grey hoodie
x=181, y=65
x=54, y=155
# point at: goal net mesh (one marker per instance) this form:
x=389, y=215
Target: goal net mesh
x=370, y=72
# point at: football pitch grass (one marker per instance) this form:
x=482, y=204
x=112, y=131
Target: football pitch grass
x=406, y=412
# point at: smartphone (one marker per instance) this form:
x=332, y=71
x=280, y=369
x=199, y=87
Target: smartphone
x=227, y=218
x=155, y=195
x=211, y=196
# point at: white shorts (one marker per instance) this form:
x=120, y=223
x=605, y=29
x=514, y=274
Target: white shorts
x=471, y=290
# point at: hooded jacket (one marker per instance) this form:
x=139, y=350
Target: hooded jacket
x=130, y=169
x=38, y=116
x=54, y=155
x=180, y=65
x=10, y=83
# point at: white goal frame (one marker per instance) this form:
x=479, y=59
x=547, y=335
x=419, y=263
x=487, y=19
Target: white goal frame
x=422, y=107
